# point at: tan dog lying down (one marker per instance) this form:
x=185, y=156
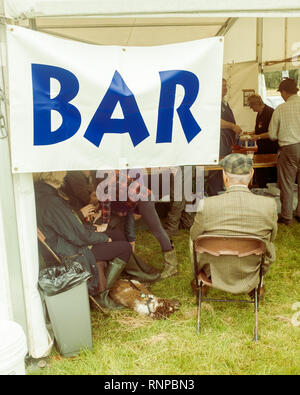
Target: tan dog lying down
x=133, y=294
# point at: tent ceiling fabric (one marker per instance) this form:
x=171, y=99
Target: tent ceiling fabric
x=147, y=8
x=156, y=22
x=279, y=34
x=131, y=31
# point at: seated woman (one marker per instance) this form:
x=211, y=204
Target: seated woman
x=80, y=188
x=68, y=236
x=112, y=188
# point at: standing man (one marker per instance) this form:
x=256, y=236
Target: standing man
x=285, y=126
x=228, y=135
x=264, y=114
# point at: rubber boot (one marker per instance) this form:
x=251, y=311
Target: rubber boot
x=113, y=272
x=171, y=264
x=140, y=270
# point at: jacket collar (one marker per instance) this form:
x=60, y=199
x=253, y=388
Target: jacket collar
x=236, y=188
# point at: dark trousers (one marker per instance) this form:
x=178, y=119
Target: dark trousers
x=151, y=219
x=288, y=167
x=118, y=248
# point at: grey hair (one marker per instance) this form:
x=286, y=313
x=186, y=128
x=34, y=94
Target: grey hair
x=52, y=177
x=235, y=179
x=254, y=98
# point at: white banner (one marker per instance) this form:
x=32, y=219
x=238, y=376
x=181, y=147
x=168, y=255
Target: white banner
x=76, y=106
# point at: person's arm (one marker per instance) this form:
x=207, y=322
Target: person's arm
x=272, y=133
x=65, y=223
x=255, y=137
x=197, y=228
x=274, y=217
x=230, y=125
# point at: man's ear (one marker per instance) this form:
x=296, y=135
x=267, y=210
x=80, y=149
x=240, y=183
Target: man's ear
x=225, y=178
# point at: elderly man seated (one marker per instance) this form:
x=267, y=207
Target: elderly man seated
x=238, y=212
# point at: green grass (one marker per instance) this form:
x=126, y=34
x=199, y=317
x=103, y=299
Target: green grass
x=128, y=344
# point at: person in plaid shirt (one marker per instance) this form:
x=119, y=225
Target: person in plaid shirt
x=125, y=194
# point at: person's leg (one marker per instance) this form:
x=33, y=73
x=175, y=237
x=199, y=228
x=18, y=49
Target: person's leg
x=116, y=234
x=176, y=207
x=149, y=215
x=287, y=171
x=151, y=219
x=298, y=182
x=114, y=249
x=173, y=218
x=117, y=254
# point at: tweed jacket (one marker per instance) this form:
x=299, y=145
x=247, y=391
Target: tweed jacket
x=237, y=212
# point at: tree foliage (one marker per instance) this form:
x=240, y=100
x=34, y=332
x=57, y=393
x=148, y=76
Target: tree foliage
x=274, y=78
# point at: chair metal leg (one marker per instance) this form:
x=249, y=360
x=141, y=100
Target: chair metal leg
x=199, y=307
x=256, y=315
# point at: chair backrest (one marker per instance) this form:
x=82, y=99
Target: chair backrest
x=235, y=262
x=240, y=246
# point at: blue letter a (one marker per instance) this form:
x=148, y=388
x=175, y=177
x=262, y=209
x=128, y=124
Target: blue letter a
x=132, y=122
x=43, y=104
x=169, y=80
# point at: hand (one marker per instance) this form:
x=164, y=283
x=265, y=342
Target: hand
x=109, y=240
x=237, y=129
x=132, y=245
x=121, y=213
x=255, y=137
x=88, y=210
x=96, y=216
x=101, y=228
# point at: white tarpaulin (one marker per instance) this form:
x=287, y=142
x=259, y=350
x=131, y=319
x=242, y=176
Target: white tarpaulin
x=80, y=106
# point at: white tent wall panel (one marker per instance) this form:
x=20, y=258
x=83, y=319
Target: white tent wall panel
x=240, y=41
x=293, y=38
x=274, y=39
x=241, y=76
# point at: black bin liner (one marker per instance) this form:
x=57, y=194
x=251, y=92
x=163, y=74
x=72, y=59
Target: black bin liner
x=56, y=279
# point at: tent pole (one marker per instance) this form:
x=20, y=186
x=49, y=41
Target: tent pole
x=10, y=241
x=259, y=54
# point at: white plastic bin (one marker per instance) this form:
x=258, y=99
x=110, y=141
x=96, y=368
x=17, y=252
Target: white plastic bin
x=13, y=348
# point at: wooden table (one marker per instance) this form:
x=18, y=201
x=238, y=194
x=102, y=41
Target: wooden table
x=259, y=161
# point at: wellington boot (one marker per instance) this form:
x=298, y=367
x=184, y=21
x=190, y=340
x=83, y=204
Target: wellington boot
x=171, y=264
x=112, y=274
x=113, y=271
x=140, y=270
x=105, y=300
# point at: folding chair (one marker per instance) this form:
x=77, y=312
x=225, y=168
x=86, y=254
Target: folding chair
x=239, y=248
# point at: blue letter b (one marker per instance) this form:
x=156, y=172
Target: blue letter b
x=43, y=104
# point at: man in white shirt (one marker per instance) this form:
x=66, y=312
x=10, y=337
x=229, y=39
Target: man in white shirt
x=285, y=126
